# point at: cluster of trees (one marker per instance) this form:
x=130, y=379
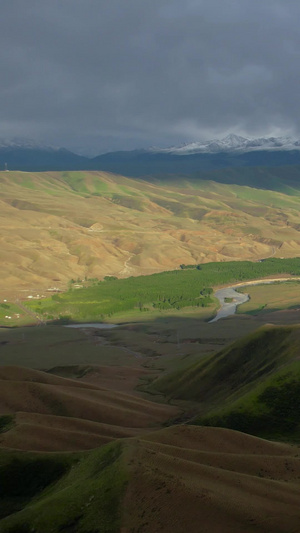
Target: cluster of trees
x=185, y=267
x=231, y=271
x=197, y=301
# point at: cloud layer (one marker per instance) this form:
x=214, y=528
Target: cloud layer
x=101, y=76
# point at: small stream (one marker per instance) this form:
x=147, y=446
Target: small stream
x=96, y=325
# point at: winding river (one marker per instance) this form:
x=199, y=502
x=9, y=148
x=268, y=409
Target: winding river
x=229, y=308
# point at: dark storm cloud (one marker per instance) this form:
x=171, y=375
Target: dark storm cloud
x=110, y=75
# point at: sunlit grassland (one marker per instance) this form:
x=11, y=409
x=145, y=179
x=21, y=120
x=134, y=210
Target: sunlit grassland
x=12, y=315
x=266, y=298
x=268, y=198
x=135, y=315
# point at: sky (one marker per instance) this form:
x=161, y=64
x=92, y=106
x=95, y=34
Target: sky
x=97, y=75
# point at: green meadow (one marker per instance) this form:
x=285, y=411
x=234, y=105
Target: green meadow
x=189, y=287
x=270, y=298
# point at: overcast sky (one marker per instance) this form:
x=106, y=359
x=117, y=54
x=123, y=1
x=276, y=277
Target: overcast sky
x=101, y=75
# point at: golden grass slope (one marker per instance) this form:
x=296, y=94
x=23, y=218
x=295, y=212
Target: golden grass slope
x=55, y=413
x=64, y=225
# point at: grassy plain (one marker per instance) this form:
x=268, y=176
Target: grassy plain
x=270, y=298
x=44, y=347
x=12, y=314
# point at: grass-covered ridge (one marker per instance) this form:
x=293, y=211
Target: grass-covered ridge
x=252, y=386
x=270, y=410
x=167, y=290
x=217, y=377
x=85, y=490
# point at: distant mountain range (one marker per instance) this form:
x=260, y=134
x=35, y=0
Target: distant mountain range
x=20, y=143
x=231, y=151
x=233, y=143
x=25, y=154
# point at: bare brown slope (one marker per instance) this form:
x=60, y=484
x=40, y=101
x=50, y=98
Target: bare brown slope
x=20, y=373
x=48, y=433
x=116, y=378
x=195, y=479
x=81, y=415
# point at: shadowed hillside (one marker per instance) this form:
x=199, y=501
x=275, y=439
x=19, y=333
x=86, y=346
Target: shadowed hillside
x=42, y=411
x=252, y=386
x=143, y=162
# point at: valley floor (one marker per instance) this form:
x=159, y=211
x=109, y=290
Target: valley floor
x=132, y=462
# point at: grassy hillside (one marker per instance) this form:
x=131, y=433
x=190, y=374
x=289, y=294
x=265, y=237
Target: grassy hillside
x=275, y=178
x=64, y=225
x=53, y=493
x=252, y=386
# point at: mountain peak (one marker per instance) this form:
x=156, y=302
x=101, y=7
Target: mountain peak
x=234, y=138
x=232, y=141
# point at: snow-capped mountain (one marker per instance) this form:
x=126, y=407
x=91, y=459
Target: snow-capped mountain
x=29, y=155
x=232, y=151
x=232, y=143
x=26, y=144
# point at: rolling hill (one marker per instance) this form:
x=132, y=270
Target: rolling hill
x=59, y=226
x=200, y=479
x=44, y=412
